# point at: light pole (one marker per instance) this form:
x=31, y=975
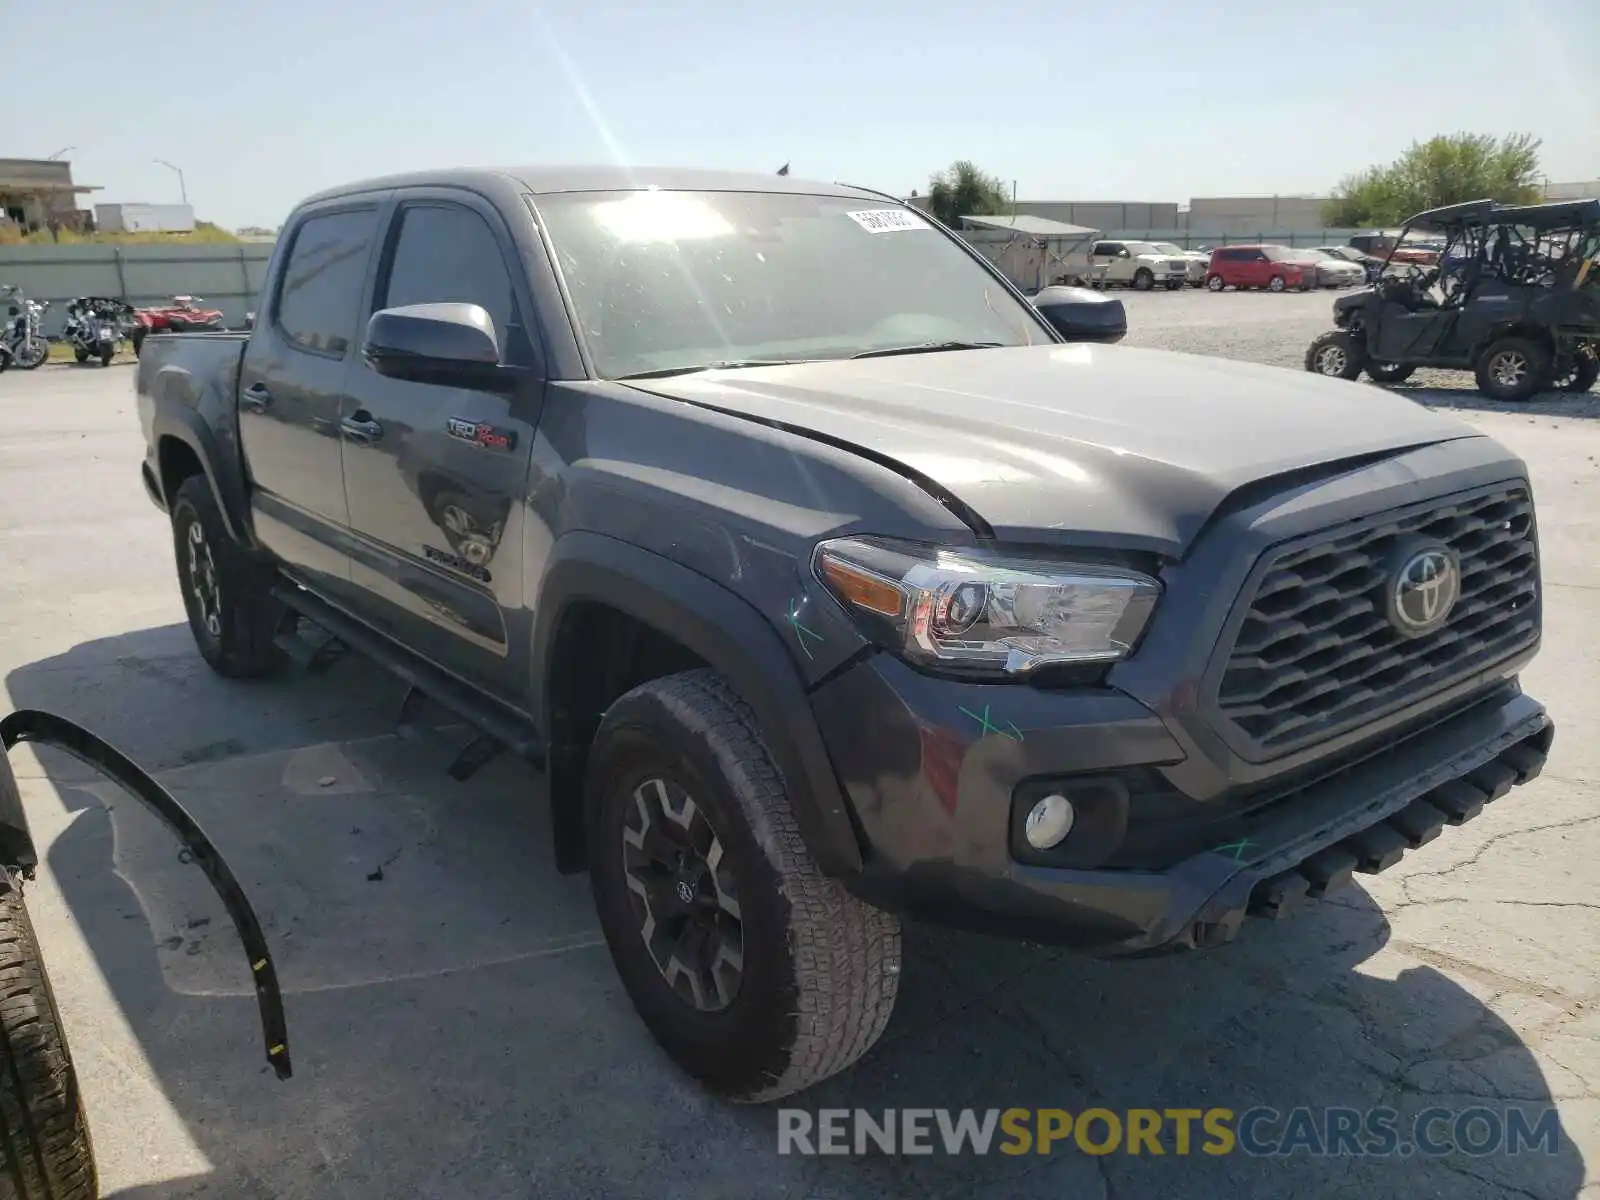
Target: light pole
x=161, y=162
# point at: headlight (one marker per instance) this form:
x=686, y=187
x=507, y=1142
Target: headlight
x=972, y=611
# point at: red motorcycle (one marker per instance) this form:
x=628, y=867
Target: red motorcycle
x=183, y=315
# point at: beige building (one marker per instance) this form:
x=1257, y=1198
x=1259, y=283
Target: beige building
x=1255, y=214
x=38, y=193
x=1583, y=190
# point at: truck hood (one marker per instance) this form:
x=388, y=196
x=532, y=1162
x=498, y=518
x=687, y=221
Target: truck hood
x=1088, y=444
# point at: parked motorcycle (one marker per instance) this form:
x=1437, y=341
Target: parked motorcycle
x=22, y=336
x=95, y=324
x=186, y=314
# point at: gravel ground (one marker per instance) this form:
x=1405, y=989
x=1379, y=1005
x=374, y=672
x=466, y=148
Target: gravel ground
x=1277, y=329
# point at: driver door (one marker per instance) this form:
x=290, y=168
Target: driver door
x=435, y=475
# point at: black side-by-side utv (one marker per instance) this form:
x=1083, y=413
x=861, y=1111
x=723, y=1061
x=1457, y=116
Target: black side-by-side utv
x=1514, y=298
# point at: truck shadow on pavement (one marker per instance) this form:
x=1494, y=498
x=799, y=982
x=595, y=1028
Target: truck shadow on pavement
x=457, y=1028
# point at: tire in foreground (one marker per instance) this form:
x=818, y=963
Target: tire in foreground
x=758, y=975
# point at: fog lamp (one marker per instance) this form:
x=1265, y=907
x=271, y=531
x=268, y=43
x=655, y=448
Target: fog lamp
x=1049, y=822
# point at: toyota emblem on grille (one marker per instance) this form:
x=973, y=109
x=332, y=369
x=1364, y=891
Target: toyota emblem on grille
x=1424, y=590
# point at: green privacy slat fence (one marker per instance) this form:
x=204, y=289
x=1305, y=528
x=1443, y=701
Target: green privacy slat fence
x=227, y=277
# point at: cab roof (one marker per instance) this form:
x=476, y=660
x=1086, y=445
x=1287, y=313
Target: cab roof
x=550, y=180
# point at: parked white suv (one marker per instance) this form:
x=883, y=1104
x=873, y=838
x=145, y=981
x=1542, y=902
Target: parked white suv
x=1138, y=265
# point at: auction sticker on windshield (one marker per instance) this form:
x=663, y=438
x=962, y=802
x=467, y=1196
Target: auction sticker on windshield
x=887, y=220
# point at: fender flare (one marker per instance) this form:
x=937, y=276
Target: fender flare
x=188, y=427
x=733, y=638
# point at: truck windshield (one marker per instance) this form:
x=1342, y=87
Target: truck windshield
x=662, y=281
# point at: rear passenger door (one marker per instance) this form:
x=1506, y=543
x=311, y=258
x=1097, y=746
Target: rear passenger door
x=436, y=489
x=1104, y=259
x=292, y=381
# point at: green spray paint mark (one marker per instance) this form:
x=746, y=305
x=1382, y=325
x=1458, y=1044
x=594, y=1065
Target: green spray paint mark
x=801, y=632
x=1238, y=848
x=986, y=726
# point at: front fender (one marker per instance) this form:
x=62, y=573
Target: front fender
x=730, y=636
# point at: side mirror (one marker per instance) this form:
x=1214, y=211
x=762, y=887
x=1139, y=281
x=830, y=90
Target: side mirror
x=1082, y=315
x=452, y=345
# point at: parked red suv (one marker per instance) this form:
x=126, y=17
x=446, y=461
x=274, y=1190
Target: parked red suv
x=1272, y=267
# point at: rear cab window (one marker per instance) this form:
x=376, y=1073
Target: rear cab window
x=318, y=302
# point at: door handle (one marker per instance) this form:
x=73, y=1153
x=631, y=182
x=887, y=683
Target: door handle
x=256, y=397
x=360, y=427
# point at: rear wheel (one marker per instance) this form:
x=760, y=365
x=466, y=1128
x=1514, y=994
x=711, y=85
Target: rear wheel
x=1337, y=355
x=1388, y=372
x=48, y=1152
x=226, y=593
x=1512, y=369
x=1214, y=283
x=1174, y=284
x=1144, y=279
x=759, y=975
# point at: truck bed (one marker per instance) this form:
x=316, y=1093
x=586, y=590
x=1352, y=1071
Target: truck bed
x=191, y=380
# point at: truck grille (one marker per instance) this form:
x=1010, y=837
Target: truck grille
x=1316, y=653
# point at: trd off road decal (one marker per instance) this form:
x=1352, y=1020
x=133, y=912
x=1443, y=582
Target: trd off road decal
x=481, y=434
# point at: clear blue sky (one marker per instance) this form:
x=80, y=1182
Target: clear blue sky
x=261, y=102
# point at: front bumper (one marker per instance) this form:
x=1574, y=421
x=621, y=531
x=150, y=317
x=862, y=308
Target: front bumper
x=933, y=777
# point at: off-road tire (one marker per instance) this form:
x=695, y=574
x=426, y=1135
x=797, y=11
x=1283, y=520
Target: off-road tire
x=1322, y=356
x=821, y=969
x=1174, y=284
x=1583, y=374
x=1534, y=377
x=107, y=355
x=48, y=1155
x=1215, y=283
x=1389, y=372
x=79, y=353
x=248, y=617
x=1144, y=279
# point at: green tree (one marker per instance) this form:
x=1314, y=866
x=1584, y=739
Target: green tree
x=1447, y=169
x=961, y=190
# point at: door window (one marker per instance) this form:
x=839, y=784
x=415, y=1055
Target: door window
x=446, y=253
x=319, y=297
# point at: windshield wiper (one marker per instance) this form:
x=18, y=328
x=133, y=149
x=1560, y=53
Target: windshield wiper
x=722, y=365
x=926, y=348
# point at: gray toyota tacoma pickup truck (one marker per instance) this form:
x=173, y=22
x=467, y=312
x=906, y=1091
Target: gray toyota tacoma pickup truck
x=826, y=585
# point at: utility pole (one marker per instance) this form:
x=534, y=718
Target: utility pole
x=182, y=190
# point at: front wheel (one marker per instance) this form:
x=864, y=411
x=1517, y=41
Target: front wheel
x=48, y=1152
x=226, y=594
x=1337, y=355
x=106, y=352
x=79, y=353
x=1214, y=283
x=756, y=973
x=1512, y=369
x=33, y=354
x=1388, y=372
x=1580, y=376
x=1144, y=279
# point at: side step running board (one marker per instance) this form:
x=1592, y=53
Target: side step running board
x=500, y=725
